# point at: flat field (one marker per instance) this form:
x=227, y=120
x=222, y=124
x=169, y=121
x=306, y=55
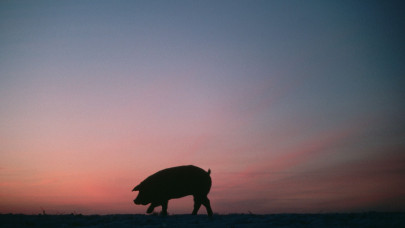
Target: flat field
x=370, y=219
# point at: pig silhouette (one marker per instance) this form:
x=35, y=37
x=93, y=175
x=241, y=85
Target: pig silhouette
x=172, y=183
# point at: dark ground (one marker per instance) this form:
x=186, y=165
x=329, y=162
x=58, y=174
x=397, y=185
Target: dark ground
x=370, y=219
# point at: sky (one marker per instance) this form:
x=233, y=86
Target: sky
x=295, y=106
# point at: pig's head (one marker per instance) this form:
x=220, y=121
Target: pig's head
x=144, y=197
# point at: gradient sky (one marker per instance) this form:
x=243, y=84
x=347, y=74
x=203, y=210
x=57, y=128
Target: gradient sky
x=295, y=106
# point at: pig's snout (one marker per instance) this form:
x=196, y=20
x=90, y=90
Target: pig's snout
x=138, y=201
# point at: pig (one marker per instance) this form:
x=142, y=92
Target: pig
x=172, y=183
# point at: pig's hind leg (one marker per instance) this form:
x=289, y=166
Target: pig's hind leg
x=197, y=204
x=198, y=200
x=207, y=205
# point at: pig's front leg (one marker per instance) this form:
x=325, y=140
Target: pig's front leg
x=151, y=207
x=164, y=208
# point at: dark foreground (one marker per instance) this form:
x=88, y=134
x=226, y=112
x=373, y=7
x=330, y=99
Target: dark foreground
x=371, y=219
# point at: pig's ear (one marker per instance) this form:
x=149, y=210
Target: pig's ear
x=137, y=188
